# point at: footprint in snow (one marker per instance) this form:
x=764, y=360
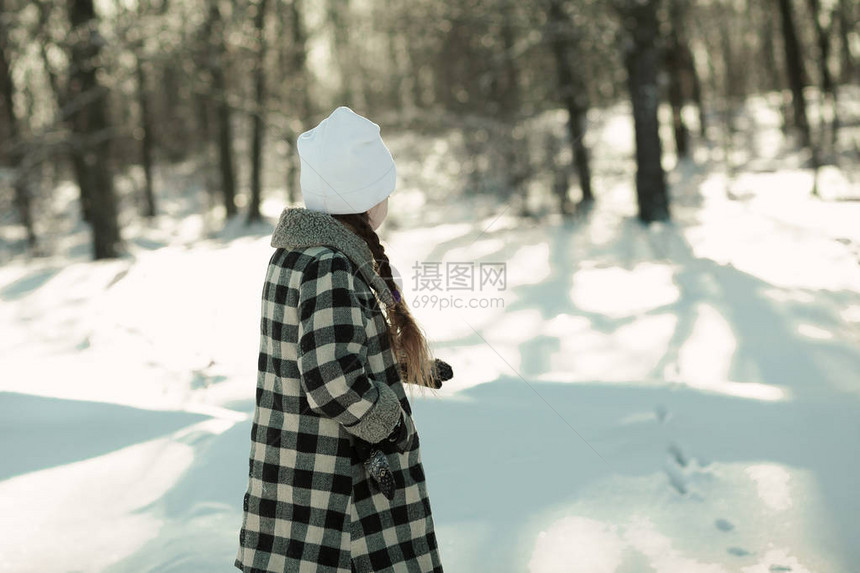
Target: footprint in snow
x=118, y=277
x=739, y=551
x=678, y=454
x=677, y=479
x=724, y=524
x=676, y=467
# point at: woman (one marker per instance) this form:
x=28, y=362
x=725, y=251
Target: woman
x=336, y=482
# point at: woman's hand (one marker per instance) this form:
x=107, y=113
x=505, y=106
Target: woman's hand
x=377, y=466
x=374, y=456
x=440, y=372
x=402, y=435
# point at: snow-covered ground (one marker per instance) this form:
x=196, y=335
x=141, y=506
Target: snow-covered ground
x=681, y=398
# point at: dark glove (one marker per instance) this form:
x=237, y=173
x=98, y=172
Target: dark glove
x=440, y=372
x=398, y=434
x=377, y=466
x=402, y=435
x=374, y=456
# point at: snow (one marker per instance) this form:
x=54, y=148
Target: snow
x=676, y=398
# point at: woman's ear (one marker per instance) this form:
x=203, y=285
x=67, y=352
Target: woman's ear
x=376, y=214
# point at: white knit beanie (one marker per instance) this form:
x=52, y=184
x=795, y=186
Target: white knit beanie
x=345, y=166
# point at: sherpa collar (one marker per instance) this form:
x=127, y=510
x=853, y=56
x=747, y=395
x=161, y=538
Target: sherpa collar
x=299, y=227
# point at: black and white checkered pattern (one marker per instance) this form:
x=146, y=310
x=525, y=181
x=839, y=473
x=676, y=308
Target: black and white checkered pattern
x=324, y=354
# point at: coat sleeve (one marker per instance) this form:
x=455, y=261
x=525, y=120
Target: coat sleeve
x=332, y=338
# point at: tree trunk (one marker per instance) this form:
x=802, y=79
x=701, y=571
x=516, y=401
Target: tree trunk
x=62, y=95
x=572, y=92
x=698, y=96
x=416, y=85
x=506, y=105
x=560, y=175
x=300, y=60
x=90, y=128
x=258, y=131
x=293, y=173
x=339, y=18
x=823, y=37
x=298, y=92
x=225, y=145
x=677, y=69
x=146, y=144
x=222, y=110
x=16, y=146
x=847, y=67
x=773, y=68
x=641, y=60
x=769, y=59
x=208, y=135
x=175, y=128
x=828, y=86
x=450, y=64
x=43, y=42
x=395, y=54
x=794, y=67
x=731, y=91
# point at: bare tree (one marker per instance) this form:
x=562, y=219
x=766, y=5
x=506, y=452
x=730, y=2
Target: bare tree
x=216, y=49
x=507, y=85
x=847, y=22
x=293, y=58
x=91, y=136
x=641, y=29
x=828, y=85
x=15, y=146
x=174, y=127
x=338, y=13
x=574, y=97
x=147, y=140
x=678, y=64
x=794, y=67
x=258, y=115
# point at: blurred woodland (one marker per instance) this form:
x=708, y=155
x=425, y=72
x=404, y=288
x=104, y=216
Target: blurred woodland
x=95, y=90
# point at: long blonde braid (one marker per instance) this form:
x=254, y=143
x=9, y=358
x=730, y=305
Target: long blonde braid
x=406, y=336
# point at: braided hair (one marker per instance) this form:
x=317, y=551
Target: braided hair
x=404, y=333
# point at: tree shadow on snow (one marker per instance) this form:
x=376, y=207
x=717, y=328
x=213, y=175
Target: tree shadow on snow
x=37, y=432
x=28, y=284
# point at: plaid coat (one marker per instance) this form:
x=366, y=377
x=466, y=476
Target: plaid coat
x=327, y=373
